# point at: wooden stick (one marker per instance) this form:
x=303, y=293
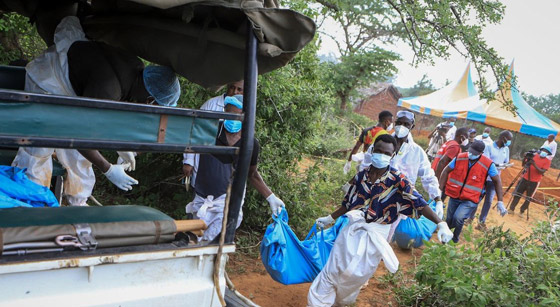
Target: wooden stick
x=190, y=225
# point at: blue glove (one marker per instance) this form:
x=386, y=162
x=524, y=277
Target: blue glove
x=501, y=209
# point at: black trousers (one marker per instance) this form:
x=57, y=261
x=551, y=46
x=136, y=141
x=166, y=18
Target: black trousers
x=524, y=186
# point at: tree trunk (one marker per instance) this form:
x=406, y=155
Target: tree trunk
x=343, y=101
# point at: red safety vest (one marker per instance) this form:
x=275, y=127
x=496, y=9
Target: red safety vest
x=466, y=183
x=441, y=151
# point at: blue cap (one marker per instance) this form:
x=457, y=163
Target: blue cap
x=472, y=130
x=162, y=84
x=236, y=101
x=547, y=148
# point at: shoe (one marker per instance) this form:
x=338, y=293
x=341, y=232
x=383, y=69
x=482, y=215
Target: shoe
x=468, y=221
x=511, y=211
x=481, y=227
x=521, y=213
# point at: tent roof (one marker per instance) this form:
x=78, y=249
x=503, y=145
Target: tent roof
x=443, y=103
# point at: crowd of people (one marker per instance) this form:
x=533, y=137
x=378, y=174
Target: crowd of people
x=458, y=164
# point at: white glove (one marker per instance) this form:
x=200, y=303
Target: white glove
x=347, y=167
x=444, y=234
x=276, y=204
x=501, y=209
x=346, y=187
x=439, y=209
x=127, y=157
x=118, y=177
x=325, y=221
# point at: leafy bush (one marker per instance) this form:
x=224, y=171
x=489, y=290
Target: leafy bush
x=499, y=269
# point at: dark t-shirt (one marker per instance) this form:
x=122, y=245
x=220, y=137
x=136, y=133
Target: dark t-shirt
x=214, y=171
x=98, y=70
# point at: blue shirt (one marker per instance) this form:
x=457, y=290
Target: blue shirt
x=497, y=155
x=390, y=195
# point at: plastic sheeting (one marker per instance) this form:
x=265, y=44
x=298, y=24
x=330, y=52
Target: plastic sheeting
x=16, y=190
x=412, y=232
x=291, y=261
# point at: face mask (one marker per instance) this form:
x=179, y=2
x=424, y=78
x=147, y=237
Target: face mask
x=380, y=160
x=484, y=135
x=473, y=156
x=507, y=143
x=452, y=124
x=401, y=131
x=543, y=154
x=465, y=142
x=232, y=126
x=390, y=127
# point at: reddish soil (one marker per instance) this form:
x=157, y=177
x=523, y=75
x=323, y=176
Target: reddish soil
x=251, y=279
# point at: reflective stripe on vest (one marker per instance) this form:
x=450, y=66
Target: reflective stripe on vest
x=468, y=186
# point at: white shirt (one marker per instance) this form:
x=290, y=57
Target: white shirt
x=212, y=104
x=487, y=141
x=497, y=155
x=451, y=133
x=412, y=161
x=552, y=146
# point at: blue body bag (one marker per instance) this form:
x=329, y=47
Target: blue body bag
x=411, y=232
x=16, y=190
x=291, y=261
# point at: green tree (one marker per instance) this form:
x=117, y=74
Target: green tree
x=18, y=38
x=424, y=86
x=431, y=28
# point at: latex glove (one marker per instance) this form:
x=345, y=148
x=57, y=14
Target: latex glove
x=346, y=187
x=347, y=167
x=501, y=209
x=276, y=204
x=325, y=221
x=127, y=157
x=444, y=234
x=118, y=177
x=439, y=209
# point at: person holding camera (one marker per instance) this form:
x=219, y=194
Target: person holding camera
x=535, y=166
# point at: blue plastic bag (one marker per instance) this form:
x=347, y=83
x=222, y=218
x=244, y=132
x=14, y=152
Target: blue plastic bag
x=291, y=261
x=16, y=190
x=411, y=232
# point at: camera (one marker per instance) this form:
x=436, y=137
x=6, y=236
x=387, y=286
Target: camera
x=529, y=155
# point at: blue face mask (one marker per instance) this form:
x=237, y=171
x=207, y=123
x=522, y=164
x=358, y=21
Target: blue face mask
x=473, y=156
x=508, y=143
x=543, y=154
x=485, y=135
x=379, y=160
x=232, y=126
x=452, y=124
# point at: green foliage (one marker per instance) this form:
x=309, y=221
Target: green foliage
x=424, y=86
x=498, y=269
x=18, y=38
x=548, y=105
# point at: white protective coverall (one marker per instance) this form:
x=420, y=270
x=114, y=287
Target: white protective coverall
x=211, y=211
x=212, y=104
x=356, y=253
x=48, y=74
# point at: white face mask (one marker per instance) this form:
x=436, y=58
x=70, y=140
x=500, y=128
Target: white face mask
x=401, y=131
x=465, y=142
x=390, y=127
x=380, y=160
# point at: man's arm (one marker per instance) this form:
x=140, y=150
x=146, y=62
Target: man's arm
x=255, y=179
x=441, y=165
x=428, y=177
x=430, y=214
x=96, y=159
x=498, y=186
x=443, y=178
x=355, y=150
x=339, y=212
x=540, y=170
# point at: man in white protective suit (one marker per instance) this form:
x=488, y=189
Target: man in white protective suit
x=75, y=66
x=190, y=160
x=362, y=243
x=215, y=173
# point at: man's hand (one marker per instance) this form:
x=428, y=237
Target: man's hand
x=347, y=167
x=187, y=170
x=501, y=209
x=127, y=157
x=439, y=209
x=276, y=204
x=325, y=221
x=444, y=234
x=118, y=177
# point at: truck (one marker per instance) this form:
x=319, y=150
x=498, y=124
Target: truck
x=133, y=255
